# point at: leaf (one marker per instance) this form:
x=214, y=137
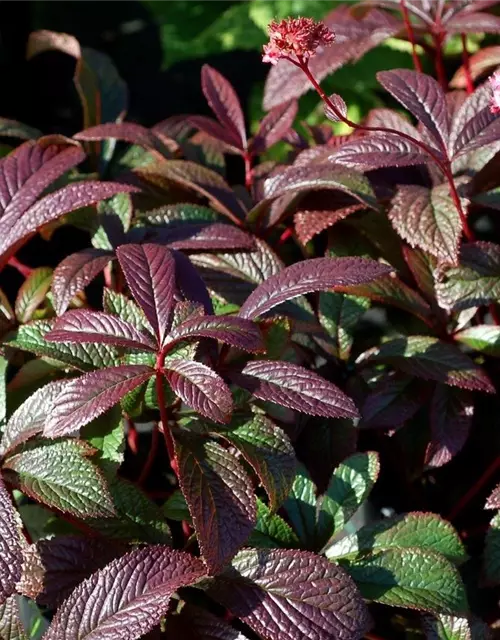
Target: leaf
x=127, y=310
x=90, y=395
x=411, y=578
x=295, y=387
x=429, y=358
x=273, y=126
x=423, y=97
x=443, y=627
x=115, y=218
x=271, y=531
x=74, y=273
x=150, y=273
x=32, y=293
x=59, y=475
x=483, y=60
x=15, y=129
x=28, y=419
x=475, y=282
x=309, y=223
x=284, y=594
x=428, y=219
x=128, y=132
x=4, y=363
x=224, y=103
x=484, y=338
x=83, y=325
x=200, y=388
x=393, y=400
x=106, y=434
x=316, y=274
x=301, y=508
x=10, y=545
x=198, y=624
x=269, y=451
x=11, y=626
x=491, y=558
x=425, y=531
x=473, y=23
x=204, y=237
x=237, y=332
x=452, y=412
x=220, y=498
x=128, y=597
x=31, y=337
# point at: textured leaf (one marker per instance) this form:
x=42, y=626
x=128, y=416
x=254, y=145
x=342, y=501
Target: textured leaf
x=423, y=97
x=301, y=508
x=59, y=474
x=204, y=237
x=309, y=223
x=274, y=126
x=484, y=338
x=412, y=578
x=452, y=412
x=83, y=325
x=126, y=598
x=32, y=293
x=128, y=311
x=31, y=337
x=29, y=418
x=317, y=274
x=10, y=545
x=475, y=282
x=429, y=358
x=392, y=401
x=200, y=388
x=4, y=363
x=115, y=219
x=90, y=395
x=443, y=627
x=224, y=103
x=220, y=498
x=11, y=626
x=422, y=530
x=74, y=273
x=289, y=595
x=237, y=332
x=473, y=23
x=269, y=451
x=428, y=219
x=128, y=132
x=198, y=624
x=150, y=273
x=295, y=387
x=271, y=531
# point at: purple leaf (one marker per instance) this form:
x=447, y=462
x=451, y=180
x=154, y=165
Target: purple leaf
x=383, y=117
x=423, y=97
x=190, y=282
x=483, y=60
x=229, y=137
x=74, y=273
x=10, y=545
x=286, y=594
x=200, y=388
x=194, y=623
x=224, y=103
x=473, y=23
x=452, y=411
x=150, y=273
x=295, y=387
x=90, y=395
x=214, y=236
x=394, y=400
x=220, y=498
x=29, y=418
x=317, y=274
x=54, y=567
x=309, y=223
x=235, y=331
x=431, y=359
x=339, y=104
x=83, y=325
x=274, y=126
x=32, y=293
x=128, y=597
x=493, y=501
x=128, y=132
x=17, y=227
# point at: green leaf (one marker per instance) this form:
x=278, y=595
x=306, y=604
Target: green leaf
x=483, y=337
x=269, y=451
x=119, y=305
x=11, y=626
x=419, y=530
x=410, y=578
x=4, y=363
x=175, y=508
x=106, y=434
x=183, y=212
x=492, y=551
x=32, y=293
x=301, y=508
x=442, y=627
x=271, y=531
x=351, y=484
x=431, y=359
x=339, y=314
x=60, y=475
x=115, y=217
x=276, y=333
x=85, y=357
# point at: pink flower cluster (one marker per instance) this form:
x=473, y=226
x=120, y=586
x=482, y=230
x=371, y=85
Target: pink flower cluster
x=495, y=88
x=298, y=37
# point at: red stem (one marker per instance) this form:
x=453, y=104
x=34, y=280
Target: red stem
x=167, y=433
x=132, y=436
x=151, y=456
x=247, y=157
x=440, y=71
x=466, y=63
x=22, y=268
x=474, y=490
x=411, y=36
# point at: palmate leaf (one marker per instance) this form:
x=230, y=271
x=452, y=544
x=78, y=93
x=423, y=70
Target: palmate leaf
x=11, y=544
x=127, y=597
x=89, y=396
x=150, y=273
x=316, y=274
x=269, y=451
x=74, y=273
x=83, y=325
x=32, y=293
x=237, y=332
x=431, y=359
x=287, y=595
x=295, y=387
x=60, y=475
x=220, y=498
x=274, y=126
x=200, y=388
